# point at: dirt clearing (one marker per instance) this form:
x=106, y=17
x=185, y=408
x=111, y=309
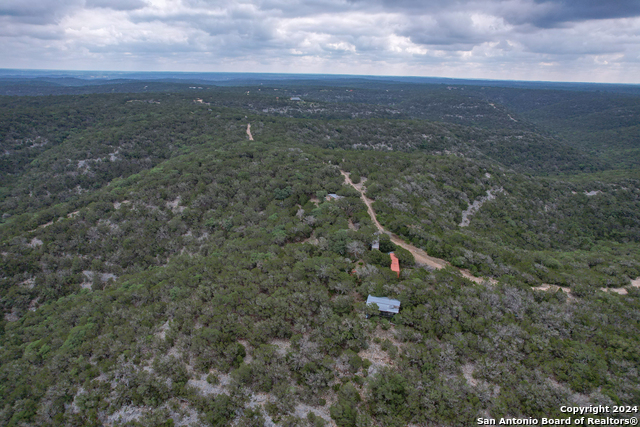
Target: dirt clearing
x=249, y=132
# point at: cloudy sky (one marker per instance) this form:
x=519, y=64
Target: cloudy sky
x=562, y=40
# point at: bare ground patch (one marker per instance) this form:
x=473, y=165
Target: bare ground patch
x=620, y=291
x=162, y=331
x=13, y=316
x=35, y=242
x=375, y=354
x=476, y=205
x=282, y=345
x=207, y=389
x=117, y=205
x=174, y=205
x=554, y=288
x=302, y=411
x=467, y=372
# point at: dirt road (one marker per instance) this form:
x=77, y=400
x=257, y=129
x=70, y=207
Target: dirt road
x=425, y=259
x=249, y=132
x=421, y=256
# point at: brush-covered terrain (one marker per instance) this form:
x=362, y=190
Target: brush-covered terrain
x=164, y=264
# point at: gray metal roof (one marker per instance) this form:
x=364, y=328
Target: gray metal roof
x=376, y=243
x=385, y=304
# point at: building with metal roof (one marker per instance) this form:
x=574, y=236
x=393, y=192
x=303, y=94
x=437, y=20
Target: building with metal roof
x=375, y=244
x=385, y=305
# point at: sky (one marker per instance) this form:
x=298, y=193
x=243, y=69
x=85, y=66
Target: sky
x=555, y=40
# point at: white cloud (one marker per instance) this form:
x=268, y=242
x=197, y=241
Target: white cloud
x=515, y=39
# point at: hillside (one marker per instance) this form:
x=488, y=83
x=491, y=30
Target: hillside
x=159, y=268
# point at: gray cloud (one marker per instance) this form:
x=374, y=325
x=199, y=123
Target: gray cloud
x=540, y=13
x=116, y=4
x=448, y=31
x=560, y=11
x=37, y=12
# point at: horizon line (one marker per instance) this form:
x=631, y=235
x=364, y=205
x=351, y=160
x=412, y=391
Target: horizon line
x=334, y=75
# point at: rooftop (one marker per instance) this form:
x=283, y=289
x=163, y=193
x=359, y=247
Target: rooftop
x=395, y=263
x=385, y=304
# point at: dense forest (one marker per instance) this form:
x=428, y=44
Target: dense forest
x=169, y=255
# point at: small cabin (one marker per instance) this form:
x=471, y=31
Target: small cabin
x=386, y=306
x=333, y=196
x=296, y=98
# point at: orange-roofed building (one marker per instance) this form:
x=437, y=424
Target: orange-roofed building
x=395, y=264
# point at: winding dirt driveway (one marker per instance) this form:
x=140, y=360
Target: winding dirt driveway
x=249, y=132
x=421, y=256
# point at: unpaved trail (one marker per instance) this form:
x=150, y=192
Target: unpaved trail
x=554, y=288
x=622, y=291
x=249, y=132
x=421, y=256
x=635, y=283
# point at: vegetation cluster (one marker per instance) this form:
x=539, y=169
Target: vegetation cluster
x=158, y=268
